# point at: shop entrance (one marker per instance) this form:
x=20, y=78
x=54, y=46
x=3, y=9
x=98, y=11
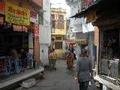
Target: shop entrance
x=12, y=40
x=110, y=53
x=111, y=44
x=14, y=55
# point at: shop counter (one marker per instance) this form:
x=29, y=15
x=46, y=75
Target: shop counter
x=19, y=77
x=107, y=83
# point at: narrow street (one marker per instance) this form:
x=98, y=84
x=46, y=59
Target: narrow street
x=32, y=32
x=61, y=79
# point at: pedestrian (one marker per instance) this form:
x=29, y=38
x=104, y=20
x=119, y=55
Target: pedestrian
x=71, y=48
x=84, y=71
x=69, y=60
x=23, y=57
x=52, y=59
x=14, y=61
x=29, y=59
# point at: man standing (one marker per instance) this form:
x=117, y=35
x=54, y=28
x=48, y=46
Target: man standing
x=84, y=71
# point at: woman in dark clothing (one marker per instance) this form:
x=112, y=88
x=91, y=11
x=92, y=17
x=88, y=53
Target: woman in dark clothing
x=84, y=71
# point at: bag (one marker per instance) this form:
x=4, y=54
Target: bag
x=92, y=85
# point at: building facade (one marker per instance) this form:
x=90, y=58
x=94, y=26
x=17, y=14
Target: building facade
x=58, y=20
x=75, y=24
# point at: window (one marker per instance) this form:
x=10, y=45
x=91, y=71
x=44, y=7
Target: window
x=58, y=38
x=53, y=24
x=58, y=45
x=61, y=17
x=60, y=22
x=53, y=17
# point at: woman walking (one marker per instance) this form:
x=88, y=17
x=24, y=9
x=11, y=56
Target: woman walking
x=52, y=59
x=70, y=60
x=84, y=71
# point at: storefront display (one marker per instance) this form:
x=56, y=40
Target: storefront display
x=11, y=44
x=110, y=53
x=12, y=41
x=19, y=40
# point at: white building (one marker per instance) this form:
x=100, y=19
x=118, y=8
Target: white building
x=75, y=23
x=45, y=33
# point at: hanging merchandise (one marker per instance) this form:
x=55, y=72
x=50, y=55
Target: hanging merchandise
x=87, y=27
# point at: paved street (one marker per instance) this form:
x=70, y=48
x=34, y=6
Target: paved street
x=61, y=79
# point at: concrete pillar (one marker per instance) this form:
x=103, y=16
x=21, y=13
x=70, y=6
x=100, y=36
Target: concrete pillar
x=44, y=54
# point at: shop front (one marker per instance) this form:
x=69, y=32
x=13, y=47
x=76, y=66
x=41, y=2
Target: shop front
x=17, y=45
x=109, y=54
x=108, y=23
x=110, y=51
x=105, y=15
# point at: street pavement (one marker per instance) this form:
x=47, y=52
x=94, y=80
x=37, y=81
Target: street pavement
x=59, y=79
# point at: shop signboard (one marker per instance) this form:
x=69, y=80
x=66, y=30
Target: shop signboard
x=20, y=28
x=36, y=44
x=2, y=8
x=33, y=16
x=17, y=15
x=36, y=30
x=87, y=3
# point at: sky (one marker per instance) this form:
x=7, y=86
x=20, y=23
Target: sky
x=61, y=4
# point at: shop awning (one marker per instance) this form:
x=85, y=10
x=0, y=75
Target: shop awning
x=90, y=8
x=99, y=6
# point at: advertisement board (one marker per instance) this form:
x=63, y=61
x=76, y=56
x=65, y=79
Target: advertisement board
x=17, y=15
x=2, y=8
